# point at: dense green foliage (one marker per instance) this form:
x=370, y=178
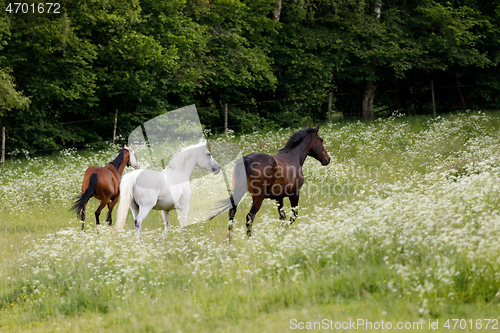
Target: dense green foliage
x=144, y=57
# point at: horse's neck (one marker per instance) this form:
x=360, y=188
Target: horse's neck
x=182, y=167
x=120, y=169
x=302, y=149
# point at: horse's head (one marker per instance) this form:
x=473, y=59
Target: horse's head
x=317, y=150
x=206, y=161
x=132, y=157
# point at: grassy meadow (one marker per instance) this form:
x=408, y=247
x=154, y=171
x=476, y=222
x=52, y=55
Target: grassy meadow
x=402, y=226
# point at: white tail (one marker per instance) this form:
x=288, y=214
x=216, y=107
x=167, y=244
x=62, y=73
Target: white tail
x=240, y=187
x=127, y=185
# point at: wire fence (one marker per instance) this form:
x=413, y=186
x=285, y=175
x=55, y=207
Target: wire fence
x=462, y=103
x=253, y=103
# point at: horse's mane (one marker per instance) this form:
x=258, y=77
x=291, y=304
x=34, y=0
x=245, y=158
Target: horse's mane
x=119, y=159
x=296, y=139
x=178, y=158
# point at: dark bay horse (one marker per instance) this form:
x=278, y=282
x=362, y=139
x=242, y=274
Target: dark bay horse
x=274, y=176
x=103, y=183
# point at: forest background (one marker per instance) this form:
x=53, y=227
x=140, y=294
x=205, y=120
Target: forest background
x=63, y=76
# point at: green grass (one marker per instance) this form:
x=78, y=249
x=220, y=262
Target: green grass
x=408, y=233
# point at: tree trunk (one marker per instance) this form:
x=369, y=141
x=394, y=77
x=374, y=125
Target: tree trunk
x=225, y=119
x=368, y=95
x=3, y=145
x=433, y=100
x=114, y=128
x=277, y=10
x=329, y=107
x=460, y=93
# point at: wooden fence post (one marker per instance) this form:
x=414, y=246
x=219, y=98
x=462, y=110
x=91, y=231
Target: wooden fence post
x=225, y=119
x=3, y=145
x=114, y=129
x=433, y=101
x=329, y=107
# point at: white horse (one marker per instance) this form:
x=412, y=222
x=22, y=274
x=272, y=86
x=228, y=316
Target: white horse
x=143, y=190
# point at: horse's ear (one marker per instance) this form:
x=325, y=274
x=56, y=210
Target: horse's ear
x=208, y=145
x=316, y=129
x=131, y=146
x=125, y=146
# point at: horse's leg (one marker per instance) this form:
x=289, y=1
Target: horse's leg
x=107, y=215
x=166, y=219
x=232, y=213
x=83, y=214
x=111, y=205
x=257, y=202
x=294, y=202
x=280, y=209
x=183, y=216
x=143, y=213
x=101, y=207
x=134, y=208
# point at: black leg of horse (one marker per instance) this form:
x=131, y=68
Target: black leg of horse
x=98, y=211
x=250, y=218
x=294, y=202
x=280, y=209
x=232, y=213
x=108, y=215
x=111, y=205
x=257, y=202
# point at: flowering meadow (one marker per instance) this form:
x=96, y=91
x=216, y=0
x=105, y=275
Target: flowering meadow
x=402, y=225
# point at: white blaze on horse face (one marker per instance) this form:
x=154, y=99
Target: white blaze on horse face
x=132, y=160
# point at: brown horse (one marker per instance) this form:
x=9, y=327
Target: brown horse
x=103, y=183
x=274, y=176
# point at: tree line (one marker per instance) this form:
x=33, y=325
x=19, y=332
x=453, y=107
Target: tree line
x=145, y=57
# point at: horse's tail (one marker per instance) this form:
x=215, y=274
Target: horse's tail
x=127, y=185
x=241, y=170
x=81, y=200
